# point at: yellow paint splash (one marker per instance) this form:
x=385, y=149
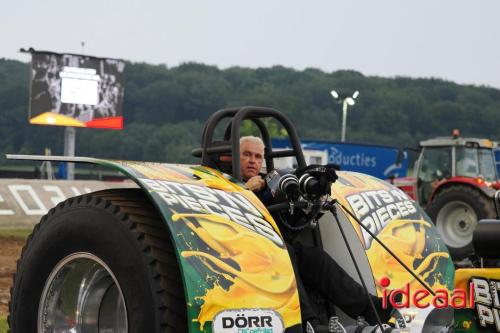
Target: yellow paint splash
x=264, y=276
x=408, y=244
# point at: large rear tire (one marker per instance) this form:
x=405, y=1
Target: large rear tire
x=456, y=211
x=101, y=262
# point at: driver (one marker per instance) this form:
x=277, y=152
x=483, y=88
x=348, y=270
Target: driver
x=312, y=265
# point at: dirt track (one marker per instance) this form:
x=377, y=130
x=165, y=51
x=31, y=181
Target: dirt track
x=10, y=250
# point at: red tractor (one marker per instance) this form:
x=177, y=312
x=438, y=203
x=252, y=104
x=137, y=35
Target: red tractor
x=455, y=182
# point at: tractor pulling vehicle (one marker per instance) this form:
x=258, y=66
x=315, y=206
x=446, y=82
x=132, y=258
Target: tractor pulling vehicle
x=191, y=249
x=455, y=182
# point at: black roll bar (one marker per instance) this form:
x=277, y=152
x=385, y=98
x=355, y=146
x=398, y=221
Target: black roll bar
x=231, y=143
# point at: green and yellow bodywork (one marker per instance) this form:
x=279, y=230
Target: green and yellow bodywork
x=232, y=255
x=231, y=252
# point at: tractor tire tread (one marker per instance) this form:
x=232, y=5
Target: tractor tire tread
x=134, y=209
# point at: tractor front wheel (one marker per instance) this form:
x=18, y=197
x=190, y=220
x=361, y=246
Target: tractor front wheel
x=456, y=211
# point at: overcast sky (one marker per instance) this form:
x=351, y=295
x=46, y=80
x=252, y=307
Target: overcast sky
x=456, y=40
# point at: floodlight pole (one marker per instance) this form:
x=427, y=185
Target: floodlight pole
x=69, y=150
x=346, y=100
x=344, y=120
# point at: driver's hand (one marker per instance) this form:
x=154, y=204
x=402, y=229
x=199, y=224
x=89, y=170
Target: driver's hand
x=256, y=183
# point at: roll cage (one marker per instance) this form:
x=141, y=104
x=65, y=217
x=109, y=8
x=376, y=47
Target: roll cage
x=211, y=149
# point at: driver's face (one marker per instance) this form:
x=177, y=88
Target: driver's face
x=251, y=158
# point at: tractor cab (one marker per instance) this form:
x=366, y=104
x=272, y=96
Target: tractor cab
x=455, y=182
x=448, y=159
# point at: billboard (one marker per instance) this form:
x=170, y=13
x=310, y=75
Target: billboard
x=378, y=161
x=76, y=90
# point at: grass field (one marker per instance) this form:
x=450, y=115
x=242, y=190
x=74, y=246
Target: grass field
x=3, y=323
x=21, y=233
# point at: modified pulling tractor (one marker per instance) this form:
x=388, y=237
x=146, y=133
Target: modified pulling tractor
x=455, y=182
x=192, y=250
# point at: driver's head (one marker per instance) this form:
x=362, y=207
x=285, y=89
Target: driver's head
x=251, y=156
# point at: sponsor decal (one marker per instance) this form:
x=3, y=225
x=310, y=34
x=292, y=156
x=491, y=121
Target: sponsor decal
x=396, y=220
x=487, y=302
x=248, y=321
x=228, y=205
x=375, y=209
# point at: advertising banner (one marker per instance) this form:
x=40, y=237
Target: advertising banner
x=378, y=161
x=76, y=90
x=24, y=201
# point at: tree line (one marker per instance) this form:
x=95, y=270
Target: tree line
x=165, y=108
